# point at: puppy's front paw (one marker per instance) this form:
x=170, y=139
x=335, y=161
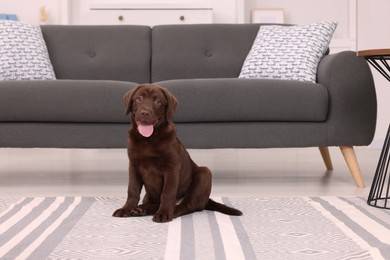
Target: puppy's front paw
x=162, y=217
x=122, y=213
x=138, y=212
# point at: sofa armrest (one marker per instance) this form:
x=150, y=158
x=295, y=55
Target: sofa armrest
x=353, y=106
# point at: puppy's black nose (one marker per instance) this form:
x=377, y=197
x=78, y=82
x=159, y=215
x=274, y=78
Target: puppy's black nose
x=145, y=113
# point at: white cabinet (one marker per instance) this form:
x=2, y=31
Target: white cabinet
x=148, y=17
x=145, y=14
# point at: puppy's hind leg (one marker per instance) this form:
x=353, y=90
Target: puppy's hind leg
x=198, y=194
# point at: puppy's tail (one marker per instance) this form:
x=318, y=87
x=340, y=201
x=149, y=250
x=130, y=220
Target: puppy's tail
x=215, y=206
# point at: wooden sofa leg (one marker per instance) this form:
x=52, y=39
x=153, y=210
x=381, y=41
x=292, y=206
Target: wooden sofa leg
x=353, y=165
x=326, y=157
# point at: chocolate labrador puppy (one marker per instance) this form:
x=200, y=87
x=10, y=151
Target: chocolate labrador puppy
x=173, y=183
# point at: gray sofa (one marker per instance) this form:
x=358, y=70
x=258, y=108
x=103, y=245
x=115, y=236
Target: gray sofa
x=199, y=64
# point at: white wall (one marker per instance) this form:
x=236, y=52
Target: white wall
x=29, y=10
x=310, y=11
x=374, y=32
x=306, y=12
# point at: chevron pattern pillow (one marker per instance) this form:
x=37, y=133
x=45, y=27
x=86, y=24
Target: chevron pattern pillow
x=288, y=52
x=23, y=53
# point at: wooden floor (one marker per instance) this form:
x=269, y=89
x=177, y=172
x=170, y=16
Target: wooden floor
x=236, y=172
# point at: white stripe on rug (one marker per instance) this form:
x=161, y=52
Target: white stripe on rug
x=33, y=246
x=223, y=235
x=203, y=236
x=241, y=232
x=230, y=240
x=217, y=244
x=10, y=208
x=344, y=228
x=32, y=226
x=18, y=216
x=172, y=250
x=363, y=220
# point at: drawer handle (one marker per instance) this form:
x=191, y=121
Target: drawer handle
x=182, y=18
x=120, y=18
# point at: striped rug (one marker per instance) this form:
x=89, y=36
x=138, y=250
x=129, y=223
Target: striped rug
x=271, y=228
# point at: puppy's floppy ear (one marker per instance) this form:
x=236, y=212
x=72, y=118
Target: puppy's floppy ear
x=172, y=104
x=127, y=98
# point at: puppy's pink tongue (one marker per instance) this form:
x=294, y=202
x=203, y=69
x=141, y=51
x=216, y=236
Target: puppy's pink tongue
x=145, y=130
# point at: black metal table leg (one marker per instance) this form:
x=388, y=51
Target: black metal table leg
x=379, y=193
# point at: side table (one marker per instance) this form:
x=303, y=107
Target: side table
x=379, y=195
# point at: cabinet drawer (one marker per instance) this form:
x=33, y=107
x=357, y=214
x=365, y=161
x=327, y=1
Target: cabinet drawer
x=147, y=17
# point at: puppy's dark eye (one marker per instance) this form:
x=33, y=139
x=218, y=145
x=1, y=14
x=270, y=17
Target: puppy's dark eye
x=139, y=99
x=156, y=100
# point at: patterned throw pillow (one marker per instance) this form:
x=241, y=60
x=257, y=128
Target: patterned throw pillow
x=23, y=52
x=288, y=52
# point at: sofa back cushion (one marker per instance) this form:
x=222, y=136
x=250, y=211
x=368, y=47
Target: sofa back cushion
x=200, y=51
x=99, y=52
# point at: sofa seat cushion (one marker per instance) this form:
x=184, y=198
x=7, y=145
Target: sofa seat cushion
x=64, y=101
x=248, y=100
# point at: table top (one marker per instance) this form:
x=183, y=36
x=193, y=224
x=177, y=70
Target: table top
x=384, y=53
x=379, y=59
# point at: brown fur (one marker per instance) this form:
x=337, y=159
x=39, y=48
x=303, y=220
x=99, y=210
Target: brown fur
x=174, y=184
